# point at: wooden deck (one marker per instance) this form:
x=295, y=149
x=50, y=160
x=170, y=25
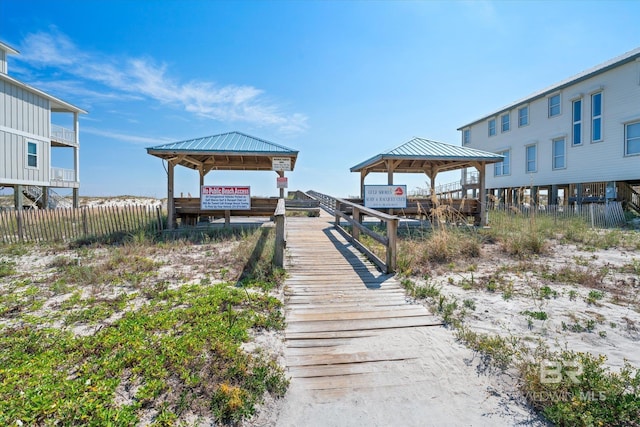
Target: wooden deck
x=341, y=313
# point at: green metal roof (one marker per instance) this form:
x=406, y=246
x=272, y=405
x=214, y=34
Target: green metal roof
x=225, y=143
x=428, y=150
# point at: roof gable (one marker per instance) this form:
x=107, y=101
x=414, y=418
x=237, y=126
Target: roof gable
x=230, y=142
x=421, y=149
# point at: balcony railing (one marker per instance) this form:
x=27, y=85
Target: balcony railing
x=64, y=135
x=59, y=174
x=471, y=177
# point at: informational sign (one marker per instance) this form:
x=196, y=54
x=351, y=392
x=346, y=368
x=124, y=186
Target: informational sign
x=281, y=163
x=385, y=196
x=282, y=182
x=225, y=197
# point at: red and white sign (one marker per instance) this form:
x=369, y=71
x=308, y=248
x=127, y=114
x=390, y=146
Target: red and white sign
x=385, y=196
x=225, y=197
x=282, y=182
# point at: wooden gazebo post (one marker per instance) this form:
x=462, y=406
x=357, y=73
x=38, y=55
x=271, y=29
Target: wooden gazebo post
x=482, y=196
x=363, y=175
x=171, y=206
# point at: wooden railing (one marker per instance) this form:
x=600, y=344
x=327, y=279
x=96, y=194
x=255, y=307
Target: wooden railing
x=339, y=207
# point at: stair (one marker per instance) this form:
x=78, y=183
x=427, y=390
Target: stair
x=630, y=196
x=34, y=194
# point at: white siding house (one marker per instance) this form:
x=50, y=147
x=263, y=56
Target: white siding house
x=578, y=140
x=27, y=138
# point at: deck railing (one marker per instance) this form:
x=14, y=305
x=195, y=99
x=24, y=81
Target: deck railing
x=339, y=207
x=60, y=174
x=62, y=134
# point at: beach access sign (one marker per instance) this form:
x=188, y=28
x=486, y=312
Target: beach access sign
x=225, y=197
x=385, y=196
x=281, y=164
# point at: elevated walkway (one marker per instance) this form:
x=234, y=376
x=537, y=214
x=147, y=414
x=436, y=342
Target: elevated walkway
x=341, y=313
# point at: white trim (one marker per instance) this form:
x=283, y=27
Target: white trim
x=630, y=119
x=553, y=95
x=508, y=116
x=28, y=135
x=526, y=160
x=18, y=182
x=625, y=141
x=522, y=107
x=592, y=118
x=576, y=97
x=573, y=122
x=553, y=154
x=26, y=163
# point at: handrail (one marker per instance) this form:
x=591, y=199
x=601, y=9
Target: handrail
x=62, y=134
x=355, y=220
x=279, y=218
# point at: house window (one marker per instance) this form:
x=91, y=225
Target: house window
x=596, y=117
x=523, y=116
x=32, y=154
x=554, y=105
x=531, y=158
x=466, y=136
x=492, y=127
x=577, y=122
x=632, y=139
x=505, y=122
x=559, y=155
x=503, y=168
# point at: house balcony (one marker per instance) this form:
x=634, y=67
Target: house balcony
x=63, y=137
x=65, y=178
x=470, y=178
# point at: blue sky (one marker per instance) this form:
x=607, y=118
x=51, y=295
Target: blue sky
x=340, y=81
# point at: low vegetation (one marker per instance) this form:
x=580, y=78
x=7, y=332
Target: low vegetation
x=143, y=330
x=582, y=390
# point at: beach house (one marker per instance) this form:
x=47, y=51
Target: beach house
x=577, y=141
x=32, y=141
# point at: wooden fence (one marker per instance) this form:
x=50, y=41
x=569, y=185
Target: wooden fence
x=50, y=225
x=595, y=215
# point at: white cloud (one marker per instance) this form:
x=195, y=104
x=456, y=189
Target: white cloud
x=124, y=137
x=136, y=78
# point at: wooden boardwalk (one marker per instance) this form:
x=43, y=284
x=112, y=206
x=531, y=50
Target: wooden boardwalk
x=342, y=314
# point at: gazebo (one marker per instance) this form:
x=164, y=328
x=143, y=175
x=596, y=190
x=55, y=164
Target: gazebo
x=421, y=155
x=232, y=151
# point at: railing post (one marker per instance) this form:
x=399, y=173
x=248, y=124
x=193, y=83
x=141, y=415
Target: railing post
x=392, y=234
x=355, y=232
x=337, y=209
x=279, y=216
